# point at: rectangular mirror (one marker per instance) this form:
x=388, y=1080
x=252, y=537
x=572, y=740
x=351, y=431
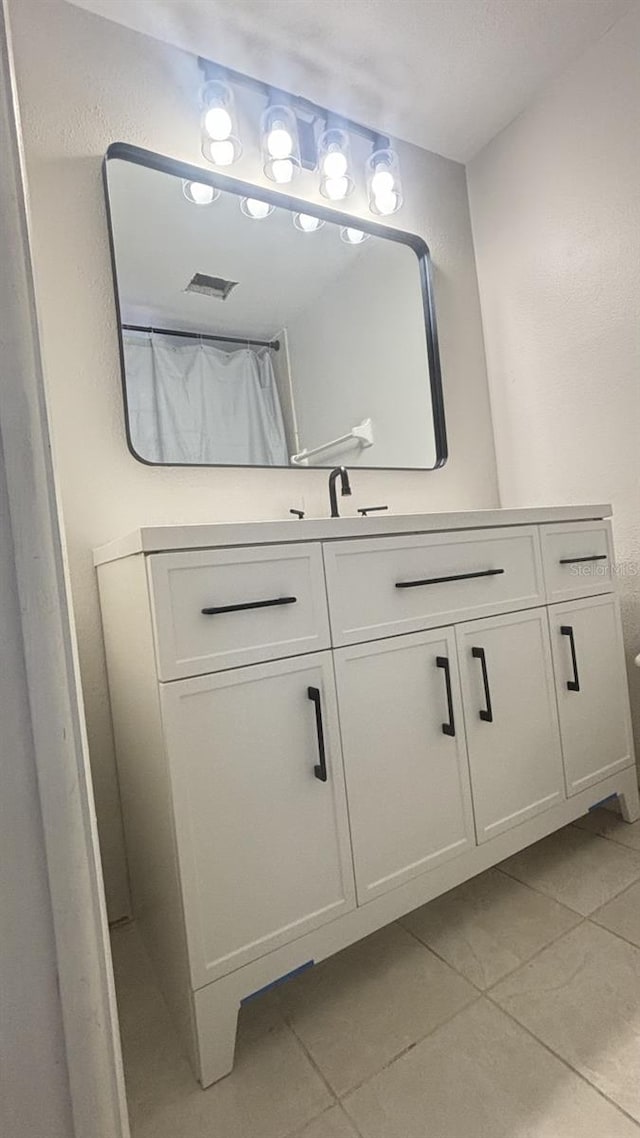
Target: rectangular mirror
x=257, y=330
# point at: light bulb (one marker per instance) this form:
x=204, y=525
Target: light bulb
x=386, y=202
x=334, y=164
x=221, y=152
x=307, y=223
x=199, y=193
x=382, y=182
x=218, y=123
x=256, y=209
x=279, y=141
x=336, y=188
x=282, y=170
x=353, y=236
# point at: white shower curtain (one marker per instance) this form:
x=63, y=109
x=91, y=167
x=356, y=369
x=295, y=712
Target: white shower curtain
x=189, y=402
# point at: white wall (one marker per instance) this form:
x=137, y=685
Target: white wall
x=359, y=353
x=35, y=1097
x=555, y=203
x=83, y=83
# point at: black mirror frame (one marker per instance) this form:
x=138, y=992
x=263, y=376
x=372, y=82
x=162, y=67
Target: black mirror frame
x=137, y=155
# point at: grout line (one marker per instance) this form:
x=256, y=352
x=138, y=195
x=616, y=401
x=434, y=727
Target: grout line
x=549, y=944
x=410, y=1047
x=565, y=1062
x=606, y=929
x=317, y=1069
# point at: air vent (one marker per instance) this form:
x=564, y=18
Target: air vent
x=216, y=287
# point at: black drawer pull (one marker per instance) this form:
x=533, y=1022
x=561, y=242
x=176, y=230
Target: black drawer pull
x=574, y=684
x=486, y=713
x=450, y=727
x=249, y=605
x=578, y=560
x=442, y=580
x=320, y=769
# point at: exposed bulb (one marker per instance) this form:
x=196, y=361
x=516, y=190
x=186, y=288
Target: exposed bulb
x=353, y=236
x=282, y=170
x=336, y=188
x=386, y=202
x=334, y=165
x=218, y=124
x=279, y=142
x=382, y=182
x=256, y=209
x=307, y=223
x=198, y=193
x=221, y=152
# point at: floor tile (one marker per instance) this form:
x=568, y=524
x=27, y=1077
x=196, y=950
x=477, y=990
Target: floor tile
x=359, y=1009
x=581, y=996
x=273, y=1090
x=482, y=1076
x=332, y=1124
x=610, y=824
x=489, y=926
x=622, y=915
x=577, y=868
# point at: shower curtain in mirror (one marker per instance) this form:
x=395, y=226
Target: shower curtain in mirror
x=190, y=402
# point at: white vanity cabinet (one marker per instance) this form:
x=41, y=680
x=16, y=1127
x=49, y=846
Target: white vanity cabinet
x=404, y=756
x=591, y=684
x=259, y=805
x=321, y=725
x=511, y=719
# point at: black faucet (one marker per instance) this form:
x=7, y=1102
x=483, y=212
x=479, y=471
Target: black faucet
x=345, y=488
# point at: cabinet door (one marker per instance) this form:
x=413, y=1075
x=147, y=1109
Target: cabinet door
x=591, y=681
x=511, y=719
x=405, y=758
x=262, y=837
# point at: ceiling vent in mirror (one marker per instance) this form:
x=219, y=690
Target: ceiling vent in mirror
x=216, y=287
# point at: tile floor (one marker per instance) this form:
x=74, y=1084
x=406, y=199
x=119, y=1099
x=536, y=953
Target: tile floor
x=509, y=1008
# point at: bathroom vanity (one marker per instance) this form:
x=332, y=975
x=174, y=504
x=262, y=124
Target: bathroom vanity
x=323, y=724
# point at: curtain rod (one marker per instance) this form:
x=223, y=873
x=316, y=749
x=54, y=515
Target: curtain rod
x=273, y=344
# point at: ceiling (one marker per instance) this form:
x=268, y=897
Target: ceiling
x=445, y=74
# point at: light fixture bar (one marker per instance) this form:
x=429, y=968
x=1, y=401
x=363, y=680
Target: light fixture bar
x=212, y=70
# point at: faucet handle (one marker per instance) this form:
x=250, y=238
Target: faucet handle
x=299, y=513
x=371, y=509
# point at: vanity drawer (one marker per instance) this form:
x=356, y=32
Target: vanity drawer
x=265, y=603
x=388, y=586
x=577, y=559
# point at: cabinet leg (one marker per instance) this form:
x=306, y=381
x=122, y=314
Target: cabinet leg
x=630, y=804
x=216, y=1010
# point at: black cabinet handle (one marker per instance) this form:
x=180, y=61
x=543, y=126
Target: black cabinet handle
x=578, y=560
x=486, y=712
x=364, y=510
x=320, y=769
x=450, y=727
x=574, y=684
x=249, y=605
x=442, y=580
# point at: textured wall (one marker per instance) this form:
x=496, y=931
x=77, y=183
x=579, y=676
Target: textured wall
x=83, y=83
x=555, y=203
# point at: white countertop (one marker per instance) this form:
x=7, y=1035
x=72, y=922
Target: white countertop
x=155, y=539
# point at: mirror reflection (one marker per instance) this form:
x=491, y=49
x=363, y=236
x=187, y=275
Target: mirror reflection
x=255, y=334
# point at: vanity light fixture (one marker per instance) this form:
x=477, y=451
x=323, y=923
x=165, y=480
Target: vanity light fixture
x=306, y=223
x=280, y=145
x=220, y=143
x=199, y=193
x=256, y=209
x=383, y=182
x=353, y=236
x=297, y=134
x=336, y=182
